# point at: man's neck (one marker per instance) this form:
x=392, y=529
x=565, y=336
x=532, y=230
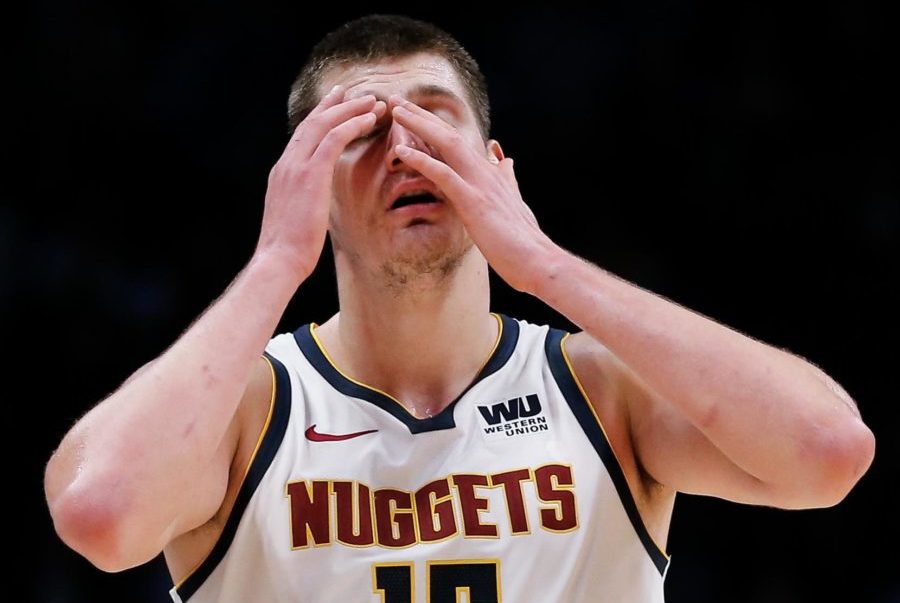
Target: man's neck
x=423, y=348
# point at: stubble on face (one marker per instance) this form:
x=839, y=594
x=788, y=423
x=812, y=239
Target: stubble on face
x=424, y=262
x=407, y=274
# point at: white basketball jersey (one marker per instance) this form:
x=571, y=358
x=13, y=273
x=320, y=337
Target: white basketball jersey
x=512, y=493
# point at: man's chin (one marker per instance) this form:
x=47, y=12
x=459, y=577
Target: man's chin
x=420, y=260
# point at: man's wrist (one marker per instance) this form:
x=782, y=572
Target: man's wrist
x=546, y=266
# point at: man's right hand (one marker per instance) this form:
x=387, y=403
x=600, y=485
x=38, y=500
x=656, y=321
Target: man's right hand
x=299, y=192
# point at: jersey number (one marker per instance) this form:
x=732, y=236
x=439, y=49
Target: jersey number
x=447, y=580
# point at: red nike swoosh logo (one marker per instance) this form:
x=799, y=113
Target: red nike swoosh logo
x=314, y=436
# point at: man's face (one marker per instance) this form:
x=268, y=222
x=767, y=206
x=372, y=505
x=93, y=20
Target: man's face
x=369, y=226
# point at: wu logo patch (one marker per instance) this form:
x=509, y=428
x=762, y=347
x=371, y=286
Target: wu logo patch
x=515, y=417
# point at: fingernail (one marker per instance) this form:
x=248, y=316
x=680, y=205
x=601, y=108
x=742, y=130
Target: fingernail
x=335, y=89
x=402, y=150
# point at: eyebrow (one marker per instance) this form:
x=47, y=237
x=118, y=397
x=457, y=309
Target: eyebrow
x=423, y=91
x=433, y=90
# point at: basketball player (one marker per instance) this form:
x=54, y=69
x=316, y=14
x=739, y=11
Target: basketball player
x=416, y=446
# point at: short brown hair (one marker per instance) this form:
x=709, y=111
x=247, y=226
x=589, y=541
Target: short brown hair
x=376, y=37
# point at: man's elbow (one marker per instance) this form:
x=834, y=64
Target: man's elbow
x=92, y=526
x=843, y=456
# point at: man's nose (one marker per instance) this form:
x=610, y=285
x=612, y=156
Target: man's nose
x=400, y=135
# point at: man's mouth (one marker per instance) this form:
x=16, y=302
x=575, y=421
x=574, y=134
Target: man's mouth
x=414, y=198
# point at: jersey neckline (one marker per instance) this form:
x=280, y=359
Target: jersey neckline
x=306, y=340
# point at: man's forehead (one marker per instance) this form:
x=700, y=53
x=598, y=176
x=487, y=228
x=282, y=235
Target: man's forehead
x=423, y=73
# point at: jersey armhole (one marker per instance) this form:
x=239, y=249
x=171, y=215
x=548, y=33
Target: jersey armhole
x=580, y=405
x=267, y=445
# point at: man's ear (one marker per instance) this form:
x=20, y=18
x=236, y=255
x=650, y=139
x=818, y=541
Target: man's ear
x=494, y=151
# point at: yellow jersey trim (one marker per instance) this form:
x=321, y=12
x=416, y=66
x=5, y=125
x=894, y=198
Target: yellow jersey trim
x=584, y=393
x=321, y=346
x=259, y=442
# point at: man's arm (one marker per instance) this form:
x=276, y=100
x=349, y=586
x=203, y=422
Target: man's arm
x=711, y=410
x=152, y=460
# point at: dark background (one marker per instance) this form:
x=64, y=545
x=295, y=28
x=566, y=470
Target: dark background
x=739, y=159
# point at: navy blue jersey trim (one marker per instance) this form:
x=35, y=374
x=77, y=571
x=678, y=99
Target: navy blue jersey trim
x=444, y=419
x=264, y=456
x=585, y=416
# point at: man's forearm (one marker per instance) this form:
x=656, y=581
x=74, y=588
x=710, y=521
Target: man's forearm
x=143, y=447
x=768, y=410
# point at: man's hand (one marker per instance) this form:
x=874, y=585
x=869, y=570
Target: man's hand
x=299, y=193
x=484, y=192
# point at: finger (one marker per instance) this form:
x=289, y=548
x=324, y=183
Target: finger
x=347, y=109
x=314, y=128
x=334, y=96
x=438, y=172
x=340, y=136
x=398, y=101
x=432, y=129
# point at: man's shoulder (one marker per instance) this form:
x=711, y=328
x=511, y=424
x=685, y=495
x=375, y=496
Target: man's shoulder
x=592, y=361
